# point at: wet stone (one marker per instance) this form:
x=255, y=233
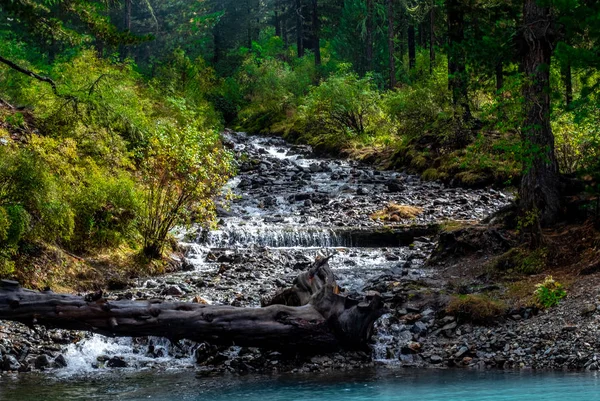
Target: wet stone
x=60, y=361
x=10, y=363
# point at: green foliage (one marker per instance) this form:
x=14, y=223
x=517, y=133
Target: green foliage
x=272, y=90
x=522, y=261
x=31, y=198
x=342, y=106
x=87, y=182
x=106, y=211
x=549, y=293
x=182, y=171
x=577, y=142
x=423, y=107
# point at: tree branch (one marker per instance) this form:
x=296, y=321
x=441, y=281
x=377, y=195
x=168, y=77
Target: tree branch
x=32, y=74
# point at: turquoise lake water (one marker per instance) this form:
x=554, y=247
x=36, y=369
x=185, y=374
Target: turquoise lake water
x=376, y=384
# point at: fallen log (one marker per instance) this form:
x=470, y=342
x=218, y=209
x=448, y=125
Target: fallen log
x=310, y=317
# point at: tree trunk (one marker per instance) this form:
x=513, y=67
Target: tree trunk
x=422, y=39
x=431, y=39
x=568, y=80
x=390, y=28
x=315, y=29
x=125, y=50
x=539, y=193
x=499, y=76
x=277, y=19
x=127, y=20
x=457, y=69
x=249, y=24
x=309, y=317
x=369, y=38
x=412, y=53
x=299, y=29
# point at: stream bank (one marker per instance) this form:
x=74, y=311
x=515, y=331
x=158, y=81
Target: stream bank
x=286, y=208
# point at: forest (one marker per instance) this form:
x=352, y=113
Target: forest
x=110, y=110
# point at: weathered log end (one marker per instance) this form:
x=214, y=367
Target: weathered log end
x=351, y=321
x=9, y=284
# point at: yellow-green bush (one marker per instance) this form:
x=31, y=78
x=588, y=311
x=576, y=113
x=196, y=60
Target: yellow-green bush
x=82, y=178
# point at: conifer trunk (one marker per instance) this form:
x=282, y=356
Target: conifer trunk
x=390, y=28
x=412, y=51
x=568, y=81
x=316, y=35
x=457, y=69
x=431, y=39
x=369, y=38
x=539, y=191
x=299, y=29
x=499, y=76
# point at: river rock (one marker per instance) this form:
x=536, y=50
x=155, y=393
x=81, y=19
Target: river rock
x=42, y=362
x=174, y=290
x=435, y=359
x=419, y=328
x=10, y=363
x=60, y=361
x=116, y=362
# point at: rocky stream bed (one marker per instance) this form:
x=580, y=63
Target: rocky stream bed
x=286, y=208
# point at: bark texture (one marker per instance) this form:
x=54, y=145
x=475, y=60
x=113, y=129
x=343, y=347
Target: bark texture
x=316, y=32
x=457, y=69
x=539, y=191
x=299, y=29
x=391, y=49
x=412, y=51
x=369, y=36
x=431, y=38
x=309, y=317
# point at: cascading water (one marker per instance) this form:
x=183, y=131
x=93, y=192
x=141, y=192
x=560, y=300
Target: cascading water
x=275, y=237
x=287, y=208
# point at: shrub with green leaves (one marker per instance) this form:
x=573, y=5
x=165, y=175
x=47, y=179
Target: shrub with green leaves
x=422, y=108
x=343, y=105
x=112, y=159
x=549, y=293
x=272, y=89
x=182, y=172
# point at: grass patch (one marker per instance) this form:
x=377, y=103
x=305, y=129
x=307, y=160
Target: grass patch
x=476, y=308
x=453, y=225
x=394, y=212
x=47, y=266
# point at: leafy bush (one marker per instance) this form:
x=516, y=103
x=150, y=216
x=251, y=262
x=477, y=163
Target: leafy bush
x=272, y=89
x=422, y=108
x=29, y=194
x=110, y=159
x=577, y=141
x=183, y=170
x=549, y=293
x=475, y=308
x=106, y=211
x=343, y=104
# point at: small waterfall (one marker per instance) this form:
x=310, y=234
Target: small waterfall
x=389, y=338
x=275, y=237
x=92, y=354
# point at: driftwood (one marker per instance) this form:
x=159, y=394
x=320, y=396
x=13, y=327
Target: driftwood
x=311, y=316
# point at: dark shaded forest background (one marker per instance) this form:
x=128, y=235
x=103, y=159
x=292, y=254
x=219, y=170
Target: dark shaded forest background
x=110, y=110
